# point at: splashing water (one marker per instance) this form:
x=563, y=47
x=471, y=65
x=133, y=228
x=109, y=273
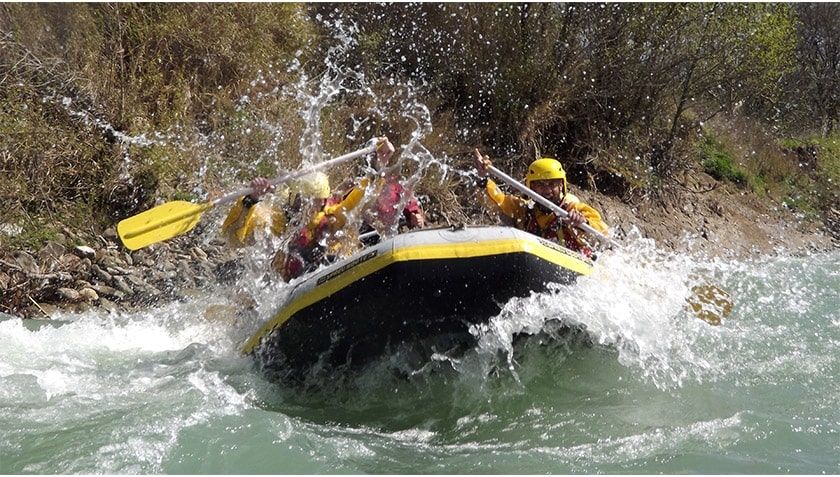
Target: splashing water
x=637, y=378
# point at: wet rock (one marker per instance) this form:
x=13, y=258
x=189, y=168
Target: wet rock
x=191, y=294
x=225, y=314
x=229, y=272
x=142, y=258
x=185, y=275
x=121, y=284
x=110, y=259
x=89, y=295
x=102, y=275
x=83, y=251
x=198, y=253
x=159, y=250
x=40, y=310
x=27, y=263
x=116, y=270
x=167, y=265
x=109, y=292
x=80, y=307
x=50, y=254
x=148, y=297
x=108, y=305
x=69, y=294
x=110, y=277
x=204, y=274
x=136, y=280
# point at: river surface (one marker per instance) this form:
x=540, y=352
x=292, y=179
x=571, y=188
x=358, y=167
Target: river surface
x=646, y=388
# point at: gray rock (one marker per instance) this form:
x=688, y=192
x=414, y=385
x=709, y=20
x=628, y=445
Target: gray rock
x=135, y=280
x=110, y=259
x=89, y=295
x=196, y=252
x=27, y=263
x=83, y=251
x=69, y=294
x=10, y=230
x=108, y=305
x=69, y=261
x=50, y=253
x=115, y=270
x=102, y=275
x=109, y=292
x=121, y=284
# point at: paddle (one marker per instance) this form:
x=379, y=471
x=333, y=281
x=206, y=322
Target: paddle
x=551, y=205
x=175, y=218
x=709, y=302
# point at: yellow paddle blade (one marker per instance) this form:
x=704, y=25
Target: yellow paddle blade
x=710, y=303
x=160, y=223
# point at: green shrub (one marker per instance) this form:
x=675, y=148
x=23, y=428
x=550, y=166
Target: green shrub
x=718, y=163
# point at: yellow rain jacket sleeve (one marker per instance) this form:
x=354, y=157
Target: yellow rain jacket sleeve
x=338, y=212
x=240, y=223
x=511, y=206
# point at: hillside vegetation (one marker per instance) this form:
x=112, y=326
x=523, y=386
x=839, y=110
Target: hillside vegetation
x=106, y=108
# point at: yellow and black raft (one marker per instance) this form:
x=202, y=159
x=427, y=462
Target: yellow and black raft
x=411, y=288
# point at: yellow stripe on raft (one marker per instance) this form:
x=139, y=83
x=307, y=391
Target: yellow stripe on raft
x=370, y=262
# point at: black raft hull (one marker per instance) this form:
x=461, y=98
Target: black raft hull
x=412, y=288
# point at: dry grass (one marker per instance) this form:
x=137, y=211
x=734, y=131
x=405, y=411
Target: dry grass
x=753, y=148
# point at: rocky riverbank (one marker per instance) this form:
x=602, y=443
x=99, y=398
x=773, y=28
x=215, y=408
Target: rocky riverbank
x=722, y=221
x=105, y=274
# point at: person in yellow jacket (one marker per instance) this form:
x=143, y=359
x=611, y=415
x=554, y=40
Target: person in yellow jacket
x=251, y=215
x=547, y=178
x=316, y=241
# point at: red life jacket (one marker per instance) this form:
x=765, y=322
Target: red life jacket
x=385, y=207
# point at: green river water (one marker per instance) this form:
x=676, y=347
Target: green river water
x=647, y=388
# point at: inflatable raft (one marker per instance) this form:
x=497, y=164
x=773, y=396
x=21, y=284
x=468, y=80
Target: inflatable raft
x=411, y=288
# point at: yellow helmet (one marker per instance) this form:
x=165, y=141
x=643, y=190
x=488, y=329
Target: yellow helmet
x=315, y=185
x=546, y=169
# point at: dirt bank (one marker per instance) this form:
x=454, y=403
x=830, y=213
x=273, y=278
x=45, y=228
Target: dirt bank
x=718, y=220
